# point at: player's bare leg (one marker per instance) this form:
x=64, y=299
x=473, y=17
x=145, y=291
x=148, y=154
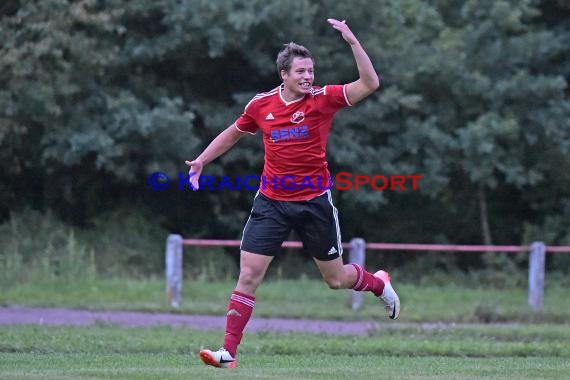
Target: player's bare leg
x=352, y=276
x=252, y=271
x=336, y=274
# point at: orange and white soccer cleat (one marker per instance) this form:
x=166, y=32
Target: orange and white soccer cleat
x=219, y=359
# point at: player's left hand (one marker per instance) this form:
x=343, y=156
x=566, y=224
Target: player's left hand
x=343, y=28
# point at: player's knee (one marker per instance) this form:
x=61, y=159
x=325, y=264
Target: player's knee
x=334, y=283
x=249, y=278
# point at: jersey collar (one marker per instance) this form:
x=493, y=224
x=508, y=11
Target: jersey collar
x=281, y=88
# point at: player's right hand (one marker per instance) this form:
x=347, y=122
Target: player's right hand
x=195, y=169
x=343, y=28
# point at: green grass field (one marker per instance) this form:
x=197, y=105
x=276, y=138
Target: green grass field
x=111, y=352
x=536, y=346
x=298, y=299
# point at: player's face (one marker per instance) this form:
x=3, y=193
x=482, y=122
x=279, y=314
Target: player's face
x=299, y=79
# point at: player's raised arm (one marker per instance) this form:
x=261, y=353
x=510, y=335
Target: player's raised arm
x=221, y=144
x=368, y=80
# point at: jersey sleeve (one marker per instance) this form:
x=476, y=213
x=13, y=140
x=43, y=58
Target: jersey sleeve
x=246, y=121
x=334, y=97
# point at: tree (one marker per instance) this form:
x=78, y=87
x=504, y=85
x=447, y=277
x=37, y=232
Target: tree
x=97, y=95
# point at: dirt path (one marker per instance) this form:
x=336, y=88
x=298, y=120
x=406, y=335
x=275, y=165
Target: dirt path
x=22, y=315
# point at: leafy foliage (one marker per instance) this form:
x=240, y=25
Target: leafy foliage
x=96, y=95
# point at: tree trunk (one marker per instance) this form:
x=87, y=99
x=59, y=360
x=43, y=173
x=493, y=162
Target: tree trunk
x=484, y=215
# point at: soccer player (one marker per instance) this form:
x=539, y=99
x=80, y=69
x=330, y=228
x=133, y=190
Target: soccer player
x=294, y=119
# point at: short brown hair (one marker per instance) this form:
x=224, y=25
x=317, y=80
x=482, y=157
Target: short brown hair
x=286, y=55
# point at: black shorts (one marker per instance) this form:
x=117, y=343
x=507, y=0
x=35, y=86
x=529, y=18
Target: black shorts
x=315, y=220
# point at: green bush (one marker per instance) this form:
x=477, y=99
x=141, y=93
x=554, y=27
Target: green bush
x=40, y=248
x=129, y=242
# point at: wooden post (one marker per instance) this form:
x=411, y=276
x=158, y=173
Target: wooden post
x=174, y=270
x=357, y=256
x=536, y=276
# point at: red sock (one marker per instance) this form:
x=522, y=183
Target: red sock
x=366, y=281
x=240, y=308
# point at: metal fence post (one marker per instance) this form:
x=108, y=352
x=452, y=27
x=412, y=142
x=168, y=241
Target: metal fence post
x=174, y=270
x=357, y=256
x=536, y=275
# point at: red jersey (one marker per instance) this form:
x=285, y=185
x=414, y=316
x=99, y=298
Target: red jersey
x=295, y=139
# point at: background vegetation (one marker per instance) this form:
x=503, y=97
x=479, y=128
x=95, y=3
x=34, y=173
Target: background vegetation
x=96, y=95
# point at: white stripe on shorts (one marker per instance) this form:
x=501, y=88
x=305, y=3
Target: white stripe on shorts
x=335, y=216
